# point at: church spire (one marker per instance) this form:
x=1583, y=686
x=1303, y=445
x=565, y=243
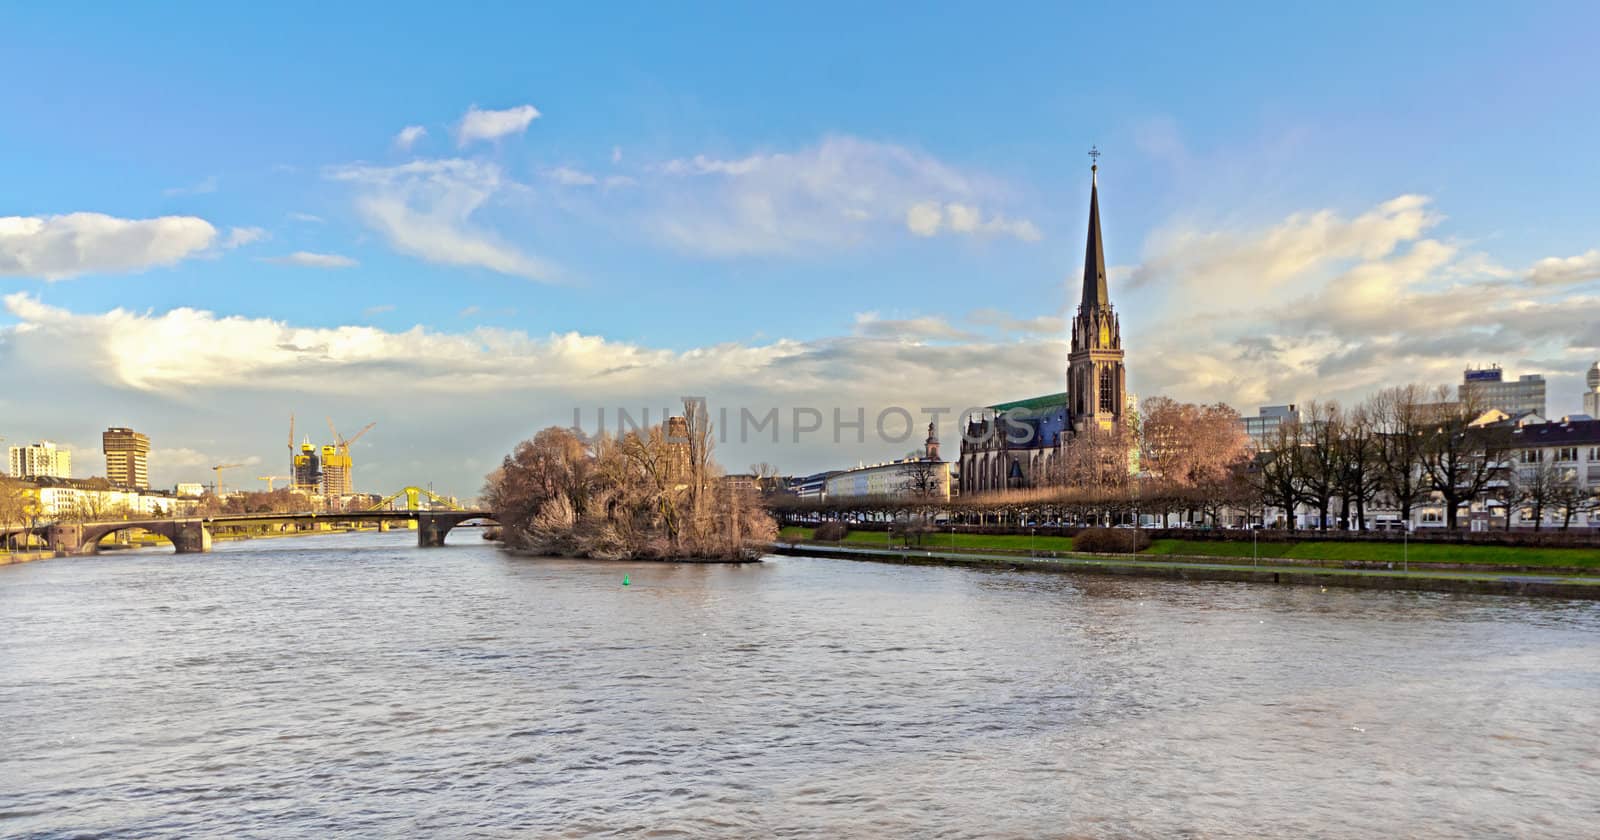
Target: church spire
x=1094, y=257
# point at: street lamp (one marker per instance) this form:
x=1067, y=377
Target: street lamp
x=1030, y=541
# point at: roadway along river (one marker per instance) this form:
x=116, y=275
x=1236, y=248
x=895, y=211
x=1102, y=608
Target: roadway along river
x=356, y=684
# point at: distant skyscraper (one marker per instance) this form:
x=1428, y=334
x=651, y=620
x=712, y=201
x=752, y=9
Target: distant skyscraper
x=40, y=460
x=1486, y=388
x=127, y=457
x=1591, y=398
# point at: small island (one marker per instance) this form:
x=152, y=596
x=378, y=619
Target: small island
x=652, y=493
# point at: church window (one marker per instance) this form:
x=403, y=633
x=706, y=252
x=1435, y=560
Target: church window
x=1107, y=392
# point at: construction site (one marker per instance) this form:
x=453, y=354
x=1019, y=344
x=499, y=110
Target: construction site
x=324, y=475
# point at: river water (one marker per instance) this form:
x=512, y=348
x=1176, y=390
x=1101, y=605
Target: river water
x=358, y=685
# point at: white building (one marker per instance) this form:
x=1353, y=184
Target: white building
x=1569, y=451
x=90, y=499
x=907, y=478
x=40, y=460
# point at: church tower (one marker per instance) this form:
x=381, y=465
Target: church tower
x=1096, y=382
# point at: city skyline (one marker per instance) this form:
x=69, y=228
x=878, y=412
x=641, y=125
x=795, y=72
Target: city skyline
x=468, y=254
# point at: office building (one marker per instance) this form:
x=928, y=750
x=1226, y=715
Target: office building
x=1263, y=427
x=127, y=457
x=1487, y=388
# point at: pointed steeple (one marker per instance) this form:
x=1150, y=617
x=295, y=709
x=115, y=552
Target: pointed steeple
x=1094, y=257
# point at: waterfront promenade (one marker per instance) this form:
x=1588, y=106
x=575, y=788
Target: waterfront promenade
x=1266, y=570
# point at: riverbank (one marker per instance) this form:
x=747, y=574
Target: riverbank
x=9, y=557
x=1425, y=580
x=1323, y=553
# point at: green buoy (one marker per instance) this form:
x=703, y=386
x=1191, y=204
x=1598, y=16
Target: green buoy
x=625, y=580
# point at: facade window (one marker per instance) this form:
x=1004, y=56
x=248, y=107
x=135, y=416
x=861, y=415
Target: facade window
x=1107, y=392
x=1432, y=516
x=1594, y=453
x=1567, y=453
x=1532, y=456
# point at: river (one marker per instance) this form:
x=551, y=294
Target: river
x=358, y=685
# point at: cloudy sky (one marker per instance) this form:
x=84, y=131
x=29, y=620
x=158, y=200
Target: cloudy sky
x=465, y=226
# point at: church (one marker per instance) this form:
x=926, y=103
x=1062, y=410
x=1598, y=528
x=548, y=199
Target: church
x=1026, y=443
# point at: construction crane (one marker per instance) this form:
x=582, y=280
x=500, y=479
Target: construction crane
x=216, y=485
x=271, y=478
x=293, y=470
x=336, y=462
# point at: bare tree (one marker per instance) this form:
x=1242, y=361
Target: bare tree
x=1398, y=418
x=1537, y=483
x=1571, y=498
x=1359, y=470
x=1459, y=459
x=1279, y=474
x=1320, y=457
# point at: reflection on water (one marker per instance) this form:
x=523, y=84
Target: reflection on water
x=358, y=684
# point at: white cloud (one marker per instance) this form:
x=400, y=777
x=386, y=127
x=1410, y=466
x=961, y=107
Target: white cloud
x=924, y=328
x=616, y=154
x=310, y=259
x=1228, y=262
x=241, y=236
x=568, y=176
x=1566, y=270
x=408, y=137
x=425, y=208
x=502, y=384
x=1040, y=325
x=378, y=309
x=927, y=218
x=207, y=185
x=306, y=217
x=478, y=124
x=837, y=193
x=57, y=247
x=1323, y=306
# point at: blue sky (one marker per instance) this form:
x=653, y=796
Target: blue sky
x=701, y=187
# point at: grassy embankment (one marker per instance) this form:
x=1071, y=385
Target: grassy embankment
x=936, y=540
x=1332, y=551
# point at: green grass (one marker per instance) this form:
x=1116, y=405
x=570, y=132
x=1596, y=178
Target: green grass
x=936, y=540
x=1418, y=553
x=1372, y=552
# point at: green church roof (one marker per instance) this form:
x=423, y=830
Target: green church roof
x=1033, y=403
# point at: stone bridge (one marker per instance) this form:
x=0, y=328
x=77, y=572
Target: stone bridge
x=191, y=535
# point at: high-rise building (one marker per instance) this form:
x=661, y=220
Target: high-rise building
x=1486, y=388
x=127, y=457
x=1591, y=398
x=40, y=460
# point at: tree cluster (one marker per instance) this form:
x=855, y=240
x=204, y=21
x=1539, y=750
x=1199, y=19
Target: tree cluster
x=652, y=493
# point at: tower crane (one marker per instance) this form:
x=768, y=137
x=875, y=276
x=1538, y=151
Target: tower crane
x=336, y=461
x=271, y=478
x=216, y=485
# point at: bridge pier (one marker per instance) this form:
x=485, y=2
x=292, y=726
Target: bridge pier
x=191, y=538
x=66, y=539
x=431, y=530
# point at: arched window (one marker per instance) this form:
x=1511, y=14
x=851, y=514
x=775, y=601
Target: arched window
x=1108, y=402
